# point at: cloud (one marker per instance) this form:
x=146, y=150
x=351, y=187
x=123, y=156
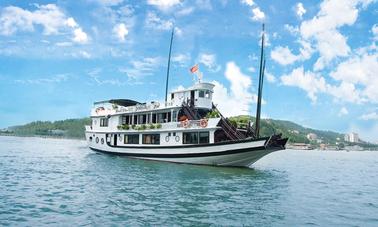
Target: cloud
x=120, y=31
x=80, y=36
x=308, y=81
x=299, y=9
x=293, y=30
x=96, y=77
x=109, y=2
x=258, y=15
x=369, y=116
x=360, y=70
x=283, y=55
x=141, y=68
x=46, y=80
x=323, y=29
x=50, y=17
x=164, y=4
x=210, y=61
x=374, y=30
x=181, y=59
x=237, y=99
x=270, y=77
x=343, y=111
x=155, y=22
x=185, y=11
x=248, y=2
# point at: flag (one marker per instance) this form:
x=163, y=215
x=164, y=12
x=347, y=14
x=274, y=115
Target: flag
x=194, y=68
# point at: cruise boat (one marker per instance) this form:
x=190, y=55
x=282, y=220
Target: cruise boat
x=186, y=128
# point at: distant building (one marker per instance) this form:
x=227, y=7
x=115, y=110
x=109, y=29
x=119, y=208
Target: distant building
x=312, y=136
x=352, y=137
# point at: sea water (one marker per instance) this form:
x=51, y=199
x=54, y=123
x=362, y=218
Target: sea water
x=62, y=183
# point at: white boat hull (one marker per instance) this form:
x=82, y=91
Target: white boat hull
x=239, y=154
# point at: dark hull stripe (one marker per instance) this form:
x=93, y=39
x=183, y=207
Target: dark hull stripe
x=191, y=145
x=188, y=155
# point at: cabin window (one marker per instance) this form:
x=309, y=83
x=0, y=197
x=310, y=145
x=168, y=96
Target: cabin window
x=125, y=120
x=131, y=139
x=190, y=138
x=169, y=116
x=174, y=116
x=104, y=122
x=154, y=118
x=135, y=120
x=201, y=94
x=203, y=137
x=151, y=139
x=172, y=96
x=207, y=94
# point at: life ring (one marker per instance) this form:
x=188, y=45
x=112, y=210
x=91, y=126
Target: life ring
x=177, y=138
x=167, y=139
x=185, y=123
x=203, y=123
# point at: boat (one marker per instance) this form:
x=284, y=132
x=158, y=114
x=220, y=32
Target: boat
x=186, y=128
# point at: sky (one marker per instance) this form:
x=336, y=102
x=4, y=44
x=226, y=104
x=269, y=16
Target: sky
x=58, y=57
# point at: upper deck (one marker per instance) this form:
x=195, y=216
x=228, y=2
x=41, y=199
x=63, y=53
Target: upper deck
x=199, y=95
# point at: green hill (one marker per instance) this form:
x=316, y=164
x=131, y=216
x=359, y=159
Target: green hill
x=71, y=128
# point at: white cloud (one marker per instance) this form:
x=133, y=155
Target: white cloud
x=248, y=2
x=210, y=61
x=300, y=10
x=360, y=70
x=181, y=59
x=369, y=116
x=121, y=31
x=46, y=80
x=185, y=11
x=310, y=82
x=50, y=17
x=293, y=30
x=343, y=111
x=155, y=22
x=283, y=55
x=80, y=36
x=110, y=2
x=164, y=4
x=270, y=77
x=141, y=68
x=374, y=30
x=238, y=98
x=258, y=15
x=323, y=29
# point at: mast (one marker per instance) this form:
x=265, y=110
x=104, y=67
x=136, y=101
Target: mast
x=169, y=64
x=261, y=81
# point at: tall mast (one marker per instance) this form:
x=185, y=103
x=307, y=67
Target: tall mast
x=261, y=80
x=169, y=64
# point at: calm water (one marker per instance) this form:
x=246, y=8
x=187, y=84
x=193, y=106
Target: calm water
x=61, y=182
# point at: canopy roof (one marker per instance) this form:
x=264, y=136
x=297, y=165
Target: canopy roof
x=121, y=102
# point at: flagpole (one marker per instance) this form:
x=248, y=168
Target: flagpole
x=261, y=80
x=169, y=64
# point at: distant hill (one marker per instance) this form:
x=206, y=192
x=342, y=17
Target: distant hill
x=71, y=128
x=295, y=132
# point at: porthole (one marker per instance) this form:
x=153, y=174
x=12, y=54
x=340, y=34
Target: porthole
x=167, y=139
x=120, y=138
x=90, y=138
x=177, y=138
x=97, y=139
x=102, y=140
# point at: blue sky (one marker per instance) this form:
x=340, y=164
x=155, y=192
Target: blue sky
x=58, y=57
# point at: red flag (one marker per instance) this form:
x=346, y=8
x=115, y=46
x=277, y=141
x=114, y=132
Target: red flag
x=194, y=69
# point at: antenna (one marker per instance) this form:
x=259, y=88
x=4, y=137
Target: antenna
x=169, y=64
x=261, y=81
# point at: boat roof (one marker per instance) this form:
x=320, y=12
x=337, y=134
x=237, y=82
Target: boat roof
x=120, y=102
